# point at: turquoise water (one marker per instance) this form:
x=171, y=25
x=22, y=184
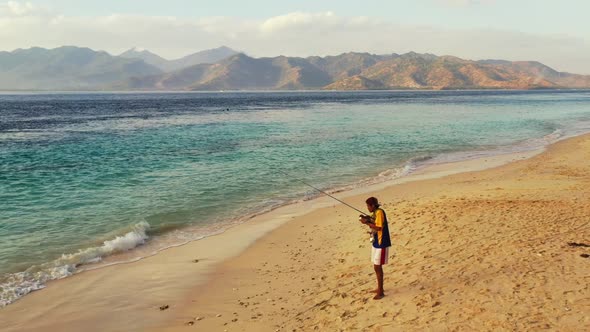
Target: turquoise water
x=86, y=176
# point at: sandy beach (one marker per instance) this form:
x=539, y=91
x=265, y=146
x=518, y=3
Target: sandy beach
x=494, y=244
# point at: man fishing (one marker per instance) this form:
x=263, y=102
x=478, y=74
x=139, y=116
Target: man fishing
x=377, y=222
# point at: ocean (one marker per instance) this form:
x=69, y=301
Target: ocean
x=85, y=177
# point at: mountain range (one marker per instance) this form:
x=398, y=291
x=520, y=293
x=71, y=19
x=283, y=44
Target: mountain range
x=78, y=68
x=66, y=68
x=73, y=68
x=207, y=56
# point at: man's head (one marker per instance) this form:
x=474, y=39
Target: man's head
x=372, y=204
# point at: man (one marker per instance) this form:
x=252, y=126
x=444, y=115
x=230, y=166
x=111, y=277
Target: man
x=381, y=241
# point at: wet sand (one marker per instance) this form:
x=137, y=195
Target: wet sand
x=498, y=249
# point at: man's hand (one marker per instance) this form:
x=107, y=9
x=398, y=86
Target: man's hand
x=365, y=219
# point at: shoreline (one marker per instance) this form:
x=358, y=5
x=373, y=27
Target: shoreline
x=176, y=210
x=513, y=258
x=408, y=169
x=262, y=224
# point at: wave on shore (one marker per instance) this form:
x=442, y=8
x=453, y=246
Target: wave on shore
x=16, y=285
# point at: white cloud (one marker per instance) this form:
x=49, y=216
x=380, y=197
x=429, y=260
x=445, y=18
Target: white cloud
x=15, y=9
x=295, y=34
x=297, y=19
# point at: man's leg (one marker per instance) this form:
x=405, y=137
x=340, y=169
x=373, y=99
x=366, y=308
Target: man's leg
x=379, y=274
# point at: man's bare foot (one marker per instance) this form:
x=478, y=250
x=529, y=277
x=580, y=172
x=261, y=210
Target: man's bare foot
x=379, y=296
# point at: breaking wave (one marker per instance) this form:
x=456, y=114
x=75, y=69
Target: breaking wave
x=16, y=285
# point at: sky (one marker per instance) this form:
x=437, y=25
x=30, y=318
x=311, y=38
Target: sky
x=556, y=33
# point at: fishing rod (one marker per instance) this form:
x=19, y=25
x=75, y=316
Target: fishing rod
x=323, y=192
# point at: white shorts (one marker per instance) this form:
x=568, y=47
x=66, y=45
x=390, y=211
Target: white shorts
x=379, y=256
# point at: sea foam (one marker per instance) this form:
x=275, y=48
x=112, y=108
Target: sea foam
x=16, y=285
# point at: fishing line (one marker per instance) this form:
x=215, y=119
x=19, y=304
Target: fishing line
x=321, y=191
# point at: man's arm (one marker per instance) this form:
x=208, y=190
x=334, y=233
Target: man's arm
x=374, y=227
